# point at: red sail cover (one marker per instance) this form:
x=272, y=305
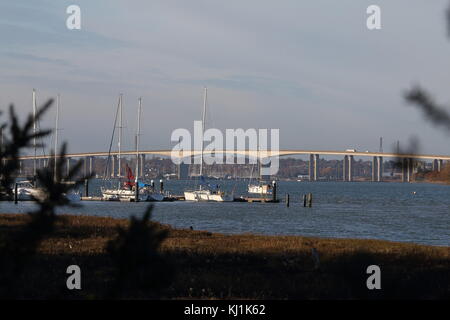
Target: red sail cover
x=130, y=178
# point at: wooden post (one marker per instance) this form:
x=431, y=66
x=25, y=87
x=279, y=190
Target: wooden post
x=161, y=186
x=15, y=193
x=86, y=188
x=310, y=197
x=304, y=200
x=287, y=200
x=274, y=191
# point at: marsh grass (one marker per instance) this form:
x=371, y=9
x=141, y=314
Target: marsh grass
x=218, y=266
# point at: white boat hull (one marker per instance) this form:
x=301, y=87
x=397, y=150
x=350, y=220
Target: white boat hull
x=123, y=195
x=129, y=195
x=206, y=195
x=26, y=193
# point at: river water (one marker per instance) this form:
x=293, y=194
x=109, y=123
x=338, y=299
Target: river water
x=418, y=213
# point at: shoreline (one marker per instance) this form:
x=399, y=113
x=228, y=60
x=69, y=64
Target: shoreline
x=168, y=226
x=240, y=266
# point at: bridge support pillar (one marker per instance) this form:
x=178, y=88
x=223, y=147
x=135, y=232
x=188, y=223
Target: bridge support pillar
x=142, y=165
x=85, y=165
x=380, y=169
x=183, y=171
x=439, y=165
x=350, y=168
x=316, y=167
x=345, y=168
x=310, y=167
x=113, y=166
x=91, y=163
x=68, y=166
x=20, y=166
x=408, y=169
x=118, y=172
x=374, y=169
x=403, y=168
x=414, y=166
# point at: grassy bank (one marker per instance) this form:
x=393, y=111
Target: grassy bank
x=210, y=265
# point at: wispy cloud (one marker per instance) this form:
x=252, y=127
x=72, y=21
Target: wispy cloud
x=33, y=58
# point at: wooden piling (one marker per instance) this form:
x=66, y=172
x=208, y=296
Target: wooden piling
x=310, y=198
x=304, y=200
x=287, y=200
x=86, y=188
x=15, y=193
x=274, y=191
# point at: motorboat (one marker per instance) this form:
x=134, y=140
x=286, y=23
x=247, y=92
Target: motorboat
x=261, y=188
x=27, y=191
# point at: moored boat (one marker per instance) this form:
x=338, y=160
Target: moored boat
x=206, y=194
x=261, y=188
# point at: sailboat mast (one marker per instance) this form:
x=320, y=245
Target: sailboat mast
x=120, y=137
x=56, y=133
x=34, y=132
x=203, y=129
x=258, y=162
x=137, y=138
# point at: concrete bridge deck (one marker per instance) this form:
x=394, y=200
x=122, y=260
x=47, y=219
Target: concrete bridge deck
x=253, y=154
x=409, y=161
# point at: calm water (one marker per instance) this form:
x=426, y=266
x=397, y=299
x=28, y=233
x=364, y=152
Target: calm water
x=387, y=211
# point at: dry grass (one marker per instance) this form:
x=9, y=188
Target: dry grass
x=238, y=266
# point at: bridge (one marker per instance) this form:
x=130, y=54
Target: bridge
x=408, y=160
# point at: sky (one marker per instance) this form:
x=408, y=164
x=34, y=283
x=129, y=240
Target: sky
x=309, y=68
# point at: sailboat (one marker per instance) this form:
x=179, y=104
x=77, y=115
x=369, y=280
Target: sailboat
x=113, y=193
x=127, y=192
x=27, y=190
x=260, y=187
x=206, y=194
x=147, y=191
x=72, y=195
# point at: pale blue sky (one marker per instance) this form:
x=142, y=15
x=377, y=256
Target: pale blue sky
x=309, y=68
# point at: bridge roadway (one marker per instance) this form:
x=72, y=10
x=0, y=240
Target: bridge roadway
x=251, y=153
x=408, y=167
